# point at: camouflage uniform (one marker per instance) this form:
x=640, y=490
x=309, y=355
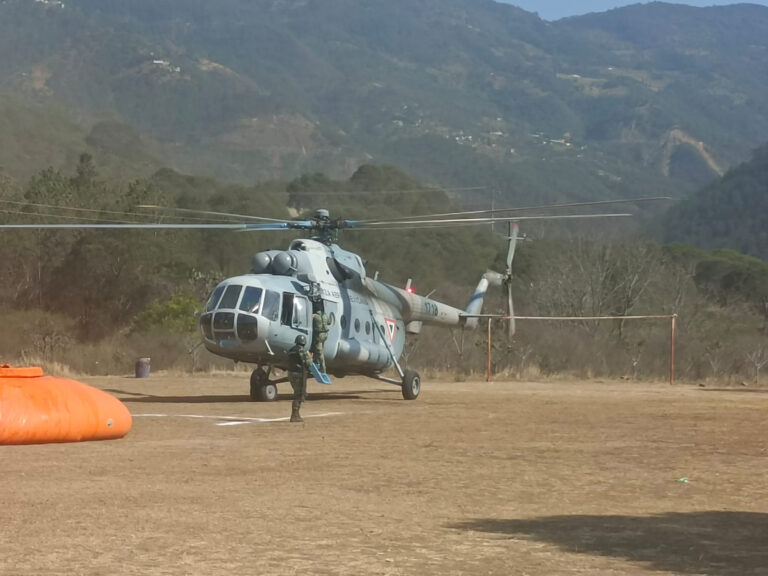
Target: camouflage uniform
x=298, y=364
x=320, y=323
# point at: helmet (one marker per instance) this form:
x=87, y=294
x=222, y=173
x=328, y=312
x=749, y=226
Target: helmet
x=301, y=340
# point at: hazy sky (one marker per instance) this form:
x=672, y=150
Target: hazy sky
x=554, y=9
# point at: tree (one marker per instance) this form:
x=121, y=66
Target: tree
x=758, y=358
x=586, y=277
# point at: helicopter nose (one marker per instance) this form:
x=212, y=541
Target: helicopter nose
x=229, y=326
x=223, y=322
x=205, y=325
x=247, y=327
x=218, y=326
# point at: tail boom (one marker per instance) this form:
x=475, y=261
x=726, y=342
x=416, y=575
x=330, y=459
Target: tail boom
x=475, y=305
x=415, y=308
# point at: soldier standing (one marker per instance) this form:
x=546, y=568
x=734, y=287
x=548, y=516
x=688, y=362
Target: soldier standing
x=298, y=364
x=320, y=323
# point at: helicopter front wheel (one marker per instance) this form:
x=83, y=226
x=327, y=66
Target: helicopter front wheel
x=262, y=390
x=411, y=385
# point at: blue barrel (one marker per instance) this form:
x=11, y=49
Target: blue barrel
x=142, y=368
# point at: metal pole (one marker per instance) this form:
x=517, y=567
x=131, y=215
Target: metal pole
x=488, y=376
x=672, y=350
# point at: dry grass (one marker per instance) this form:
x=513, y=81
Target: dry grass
x=504, y=478
x=52, y=368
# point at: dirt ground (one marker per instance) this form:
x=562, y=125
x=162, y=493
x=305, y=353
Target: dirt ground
x=505, y=478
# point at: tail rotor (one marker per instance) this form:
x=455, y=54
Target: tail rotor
x=507, y=278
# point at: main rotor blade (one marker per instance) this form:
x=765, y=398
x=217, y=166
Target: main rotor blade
x=108, y=212
x=70, y=208
x=404, y=226
x=244, y=227
x=208, y=213
x=63, y=216
x=359, y=224
x=538, y=207
x=363, y=192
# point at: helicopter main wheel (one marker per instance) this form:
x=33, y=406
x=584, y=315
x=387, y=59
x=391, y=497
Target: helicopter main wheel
x=262, y=390
x=411, y=385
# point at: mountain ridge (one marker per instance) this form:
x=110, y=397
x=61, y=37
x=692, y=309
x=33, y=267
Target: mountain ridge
x=459, y=93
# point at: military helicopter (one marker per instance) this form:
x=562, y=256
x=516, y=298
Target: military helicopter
x=256, y=317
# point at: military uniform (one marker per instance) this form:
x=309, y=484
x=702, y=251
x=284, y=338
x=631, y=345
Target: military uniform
x=320, y=322
x=298, y=364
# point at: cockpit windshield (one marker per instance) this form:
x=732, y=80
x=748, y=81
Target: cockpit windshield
x=231, y=296
x=214, y=299
x=251, y=301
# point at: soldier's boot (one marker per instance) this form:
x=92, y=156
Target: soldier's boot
x=295, y=416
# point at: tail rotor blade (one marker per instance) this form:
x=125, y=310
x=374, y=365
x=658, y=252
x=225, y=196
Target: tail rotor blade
x=512, y=244
x=508, y=278
x=510, y=311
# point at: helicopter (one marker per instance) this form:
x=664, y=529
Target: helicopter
x=255, y=318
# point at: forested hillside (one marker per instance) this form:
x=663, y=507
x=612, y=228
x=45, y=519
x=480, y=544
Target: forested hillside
x=456, y=92
x=730, y=213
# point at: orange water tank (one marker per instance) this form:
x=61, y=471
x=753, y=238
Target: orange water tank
x=37, y=409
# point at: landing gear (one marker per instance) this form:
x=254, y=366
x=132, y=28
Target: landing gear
x=411, y=385
x=262, y=390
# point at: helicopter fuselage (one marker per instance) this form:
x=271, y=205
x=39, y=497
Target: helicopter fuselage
x=256, y=317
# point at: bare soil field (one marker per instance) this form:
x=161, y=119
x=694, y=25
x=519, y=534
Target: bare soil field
x=598, y=478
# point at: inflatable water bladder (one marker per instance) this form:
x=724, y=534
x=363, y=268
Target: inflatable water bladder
x=38, y=409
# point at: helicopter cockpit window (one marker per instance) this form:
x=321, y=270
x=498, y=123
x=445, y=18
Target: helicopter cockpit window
x=231, y=296
x=251, y=301
x=271, y=308
x=214, y=299
x=300, y=312
x=287, y=315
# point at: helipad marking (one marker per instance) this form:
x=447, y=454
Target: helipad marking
x=233, y=420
